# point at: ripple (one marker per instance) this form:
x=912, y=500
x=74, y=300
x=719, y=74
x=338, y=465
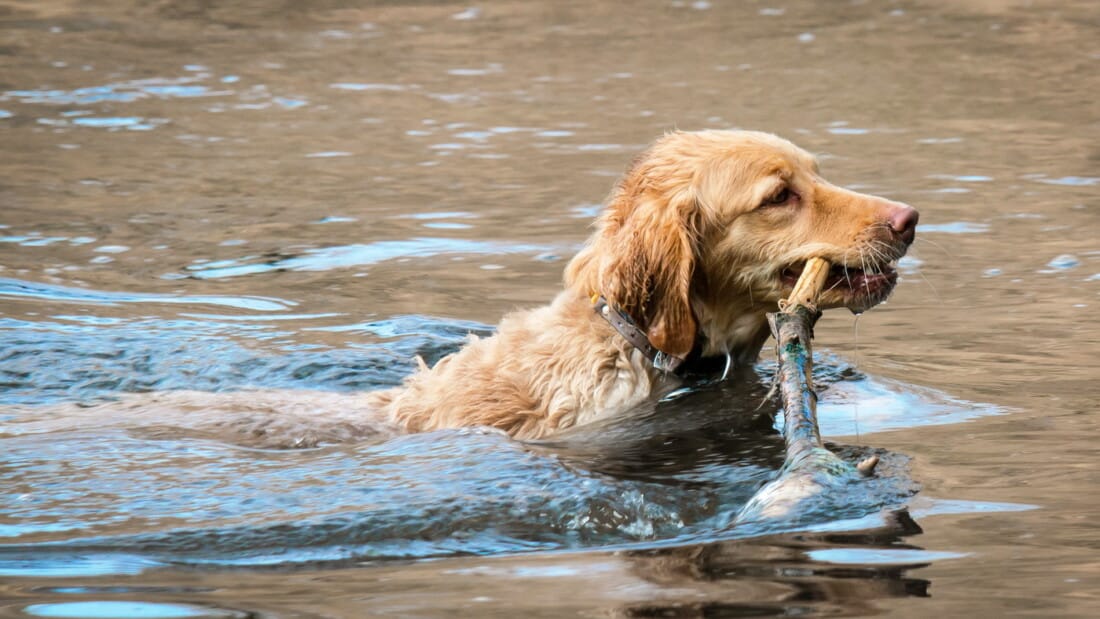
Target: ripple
x=848, y=131
x=403, y=326
x=942, y=507
x=1064, y=262
x=125, y=610
x=586, y=211
x=965, y=178
x=186, y=87
x=362, y=87
x=417, y=496
x=344, y=256
x=446, y=225
x=197, y=499
x=46, y=565
x=956, y=227
x=876, y=404
x=600, y=147
x=87, y=358
x=468, y=72
x=120, y=92
x=111, y=249
x=467, y=14
x=1075, y=181
x=50, y=292
x=910, y=264
x=951, y=140
x=554, y=134
x=137, y=123
x=43, y=241
x=881, y=556
x=335, y=219
x=439, y=215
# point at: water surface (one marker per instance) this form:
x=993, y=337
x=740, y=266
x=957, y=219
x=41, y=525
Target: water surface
x=297, y=200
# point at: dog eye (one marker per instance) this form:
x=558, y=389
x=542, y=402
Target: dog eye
x=780, y=198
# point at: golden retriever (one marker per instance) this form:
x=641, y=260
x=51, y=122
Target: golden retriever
x=704, y=234
x=701, y=238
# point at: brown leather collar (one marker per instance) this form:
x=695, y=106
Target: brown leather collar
x=624, y=324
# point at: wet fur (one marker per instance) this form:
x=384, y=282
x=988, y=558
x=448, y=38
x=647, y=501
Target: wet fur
x=685, y=247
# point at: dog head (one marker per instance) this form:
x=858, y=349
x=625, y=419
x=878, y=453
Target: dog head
x=708, y=230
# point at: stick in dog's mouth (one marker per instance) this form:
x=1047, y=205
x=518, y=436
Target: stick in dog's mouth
x=810, y=283
x=858, y=289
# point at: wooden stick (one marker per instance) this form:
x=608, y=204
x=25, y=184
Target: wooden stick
x=793, y=329
x=809, y=285
x=810, y=470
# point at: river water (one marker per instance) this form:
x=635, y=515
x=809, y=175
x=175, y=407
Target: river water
x=201, y=198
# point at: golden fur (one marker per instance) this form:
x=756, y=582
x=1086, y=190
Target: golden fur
x=701, y=238
x=697, y=242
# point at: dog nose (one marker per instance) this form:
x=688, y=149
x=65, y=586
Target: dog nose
x=903, y=221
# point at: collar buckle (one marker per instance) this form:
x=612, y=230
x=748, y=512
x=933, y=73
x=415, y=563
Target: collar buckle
x=624, y=325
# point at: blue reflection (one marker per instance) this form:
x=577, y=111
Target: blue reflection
x=122, y=610
x=364, y=254
x=20, y=288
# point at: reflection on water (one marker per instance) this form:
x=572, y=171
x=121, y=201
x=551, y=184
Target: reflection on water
x=18, y=288
x=127, y=610
x=221, y=200
x=358, y=255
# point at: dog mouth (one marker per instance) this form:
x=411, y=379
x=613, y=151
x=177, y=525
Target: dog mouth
x=857, y=288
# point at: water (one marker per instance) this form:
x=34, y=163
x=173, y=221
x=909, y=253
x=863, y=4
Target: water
x=295, y=201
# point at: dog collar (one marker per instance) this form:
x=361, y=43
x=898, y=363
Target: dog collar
x=637, y=338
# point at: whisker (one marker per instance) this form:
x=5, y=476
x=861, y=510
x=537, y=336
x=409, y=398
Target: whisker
x=879, y=252
x=932, y=286
x=936, y=245
x=863, y=263
x=847, y=277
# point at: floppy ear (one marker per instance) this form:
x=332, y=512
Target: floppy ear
x=642, y=260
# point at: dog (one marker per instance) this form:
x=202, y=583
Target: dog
x=702, y=237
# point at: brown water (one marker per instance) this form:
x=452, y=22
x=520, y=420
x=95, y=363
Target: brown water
x=304, y=195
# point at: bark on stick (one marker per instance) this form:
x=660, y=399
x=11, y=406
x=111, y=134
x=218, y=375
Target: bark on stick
x=809, y=469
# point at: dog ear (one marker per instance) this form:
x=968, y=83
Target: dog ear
x=642, y=260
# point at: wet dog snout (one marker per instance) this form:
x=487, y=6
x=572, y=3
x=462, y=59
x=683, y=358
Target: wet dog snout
x=903, y=221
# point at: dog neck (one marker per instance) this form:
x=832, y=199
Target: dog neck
x=740, y=335
x=629, y=330
x=725, y=340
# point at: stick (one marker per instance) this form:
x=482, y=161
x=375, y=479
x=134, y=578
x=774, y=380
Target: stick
x=793, y=330
x=809, y=468
x=808, y=287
